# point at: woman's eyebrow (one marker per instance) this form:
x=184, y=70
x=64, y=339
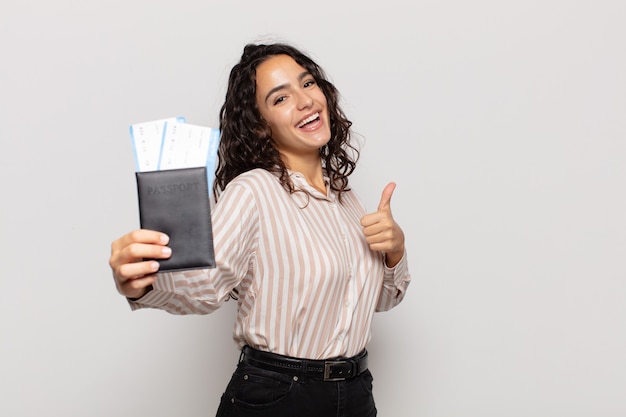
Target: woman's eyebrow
x=303, y=75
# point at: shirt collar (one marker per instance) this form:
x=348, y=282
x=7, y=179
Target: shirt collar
x=300, y=183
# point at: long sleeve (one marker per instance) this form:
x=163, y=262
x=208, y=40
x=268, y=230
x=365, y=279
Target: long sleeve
x=202, y=291
x=395, y=283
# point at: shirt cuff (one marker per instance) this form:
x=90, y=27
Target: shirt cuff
x=161, y=293
x=398, y=272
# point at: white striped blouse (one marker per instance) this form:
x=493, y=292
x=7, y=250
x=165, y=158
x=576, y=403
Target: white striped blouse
x=307, y=282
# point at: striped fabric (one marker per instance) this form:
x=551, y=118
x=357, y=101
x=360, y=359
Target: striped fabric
x=307, y=281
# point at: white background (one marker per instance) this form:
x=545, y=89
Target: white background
x=502, y=122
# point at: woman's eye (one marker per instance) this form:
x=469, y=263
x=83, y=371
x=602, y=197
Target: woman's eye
x=309, y=83
x=279, y=99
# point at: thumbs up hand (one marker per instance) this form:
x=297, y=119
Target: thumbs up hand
x=381, y=232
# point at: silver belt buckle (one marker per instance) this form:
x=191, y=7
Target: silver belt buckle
x=327, y=370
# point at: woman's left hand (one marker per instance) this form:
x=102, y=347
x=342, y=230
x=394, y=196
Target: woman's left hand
x=381, y=232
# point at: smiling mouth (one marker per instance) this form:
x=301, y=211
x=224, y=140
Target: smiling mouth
x=308, y=120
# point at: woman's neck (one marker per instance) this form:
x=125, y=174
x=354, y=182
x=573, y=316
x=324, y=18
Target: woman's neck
x=312, y=171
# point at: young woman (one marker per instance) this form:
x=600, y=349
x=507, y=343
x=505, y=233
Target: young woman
x=293, y=245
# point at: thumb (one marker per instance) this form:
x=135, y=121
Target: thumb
x=385, y=199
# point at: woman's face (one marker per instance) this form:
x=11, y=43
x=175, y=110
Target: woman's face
x=294, y=107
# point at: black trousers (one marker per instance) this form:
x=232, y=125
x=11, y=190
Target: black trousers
x=256, y=392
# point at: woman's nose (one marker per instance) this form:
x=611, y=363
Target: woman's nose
x=304, y=100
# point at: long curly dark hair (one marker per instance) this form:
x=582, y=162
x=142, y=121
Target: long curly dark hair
x=245, y=141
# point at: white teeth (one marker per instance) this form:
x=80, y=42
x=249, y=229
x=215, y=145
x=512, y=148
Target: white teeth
x=308, y=119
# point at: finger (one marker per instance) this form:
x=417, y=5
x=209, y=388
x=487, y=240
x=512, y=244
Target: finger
x=136, y=252
x=385, y=199
x=132, y=271
x=378, y=238
x=375, y=223
x=141, y=236
x=140, y=251
x=386, y=241
x=136, y=288
x=370, y=219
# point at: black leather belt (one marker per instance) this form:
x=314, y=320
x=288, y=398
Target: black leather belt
x=338, y=369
